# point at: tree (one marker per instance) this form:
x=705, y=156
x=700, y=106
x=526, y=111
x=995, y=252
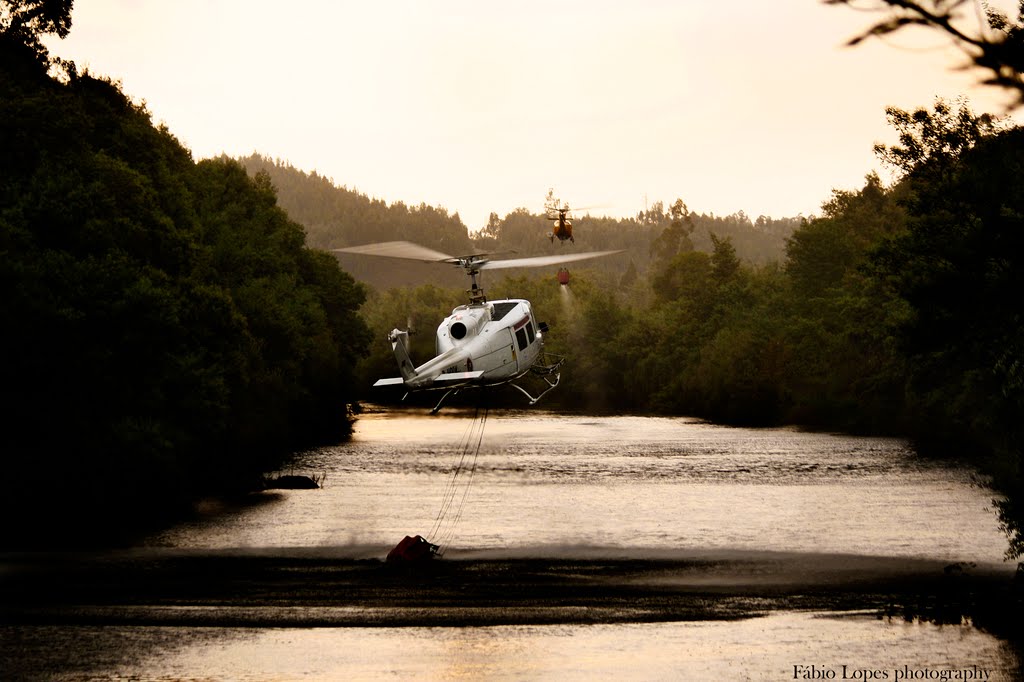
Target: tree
x=36, y=17
x=928, y=136
x=724, y=263
x=675, y=238
x=958, y=266
x=492, y=229
x=822, y=253
x=166, y=315
x=997, y=46
x=25, y=21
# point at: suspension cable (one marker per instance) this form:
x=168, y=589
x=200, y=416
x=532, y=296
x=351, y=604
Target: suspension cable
x=447, y=521
x=451, y=486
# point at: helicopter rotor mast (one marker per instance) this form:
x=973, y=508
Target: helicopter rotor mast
x=472, y=264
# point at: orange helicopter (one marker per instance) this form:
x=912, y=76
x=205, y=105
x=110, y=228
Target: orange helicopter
x=560, y=213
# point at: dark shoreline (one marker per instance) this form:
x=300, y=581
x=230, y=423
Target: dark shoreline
x=324, y=587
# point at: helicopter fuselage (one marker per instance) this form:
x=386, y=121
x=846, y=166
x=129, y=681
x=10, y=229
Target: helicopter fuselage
x=562, y=228
x=480, y=344
x=484, y=343
x=501, y=338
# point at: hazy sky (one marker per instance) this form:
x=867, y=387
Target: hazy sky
x=751, y=105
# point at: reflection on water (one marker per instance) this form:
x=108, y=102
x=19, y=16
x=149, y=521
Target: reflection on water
x=622, y=482
x=765, y=648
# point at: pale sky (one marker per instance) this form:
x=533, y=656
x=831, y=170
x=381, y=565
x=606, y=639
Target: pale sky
x=730, y=105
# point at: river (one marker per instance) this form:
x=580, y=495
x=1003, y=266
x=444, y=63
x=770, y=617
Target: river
x=690, y=503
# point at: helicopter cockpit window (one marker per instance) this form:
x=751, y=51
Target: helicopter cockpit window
x=529, y=331
x=500, y=310
x=521, y=338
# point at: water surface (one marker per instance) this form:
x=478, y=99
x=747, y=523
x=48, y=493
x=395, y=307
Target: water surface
x=545, y=480
x=781, y=506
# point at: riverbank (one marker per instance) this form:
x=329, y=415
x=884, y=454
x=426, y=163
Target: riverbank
x=326, y=587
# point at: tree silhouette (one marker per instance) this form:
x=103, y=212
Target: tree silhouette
x=997, y=45
x=25, y=21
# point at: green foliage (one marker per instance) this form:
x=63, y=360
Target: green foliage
x=598, y=335
x=957, y=267
x=167, y=332
x=419, y=310
x=675, y=238
x=826, y=250
x=686, y=278
x=926, y=137
x=334, y=217
x=724, y=263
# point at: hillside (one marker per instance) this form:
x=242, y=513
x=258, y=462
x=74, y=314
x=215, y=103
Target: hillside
x=335, y=216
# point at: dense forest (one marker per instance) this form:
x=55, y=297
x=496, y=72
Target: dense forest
x=175, y=327
x=337, y=216
x=167, y=334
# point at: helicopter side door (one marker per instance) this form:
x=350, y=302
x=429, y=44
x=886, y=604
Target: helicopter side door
x=500, y=360
x=513, y=341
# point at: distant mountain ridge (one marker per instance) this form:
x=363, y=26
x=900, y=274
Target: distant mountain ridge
x=335, y=216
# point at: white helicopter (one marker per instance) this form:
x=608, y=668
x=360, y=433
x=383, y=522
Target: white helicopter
x=484, y=343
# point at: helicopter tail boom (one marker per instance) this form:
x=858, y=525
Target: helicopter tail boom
x=429, y=372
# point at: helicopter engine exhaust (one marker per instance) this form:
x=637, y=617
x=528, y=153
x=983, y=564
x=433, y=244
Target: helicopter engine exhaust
x=467, y=324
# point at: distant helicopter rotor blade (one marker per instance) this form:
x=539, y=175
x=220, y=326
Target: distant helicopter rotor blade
x=541, y=261
x=399, y=249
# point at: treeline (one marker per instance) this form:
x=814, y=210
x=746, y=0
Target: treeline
x=336, y=216
x=897, y=311
x=166, y=332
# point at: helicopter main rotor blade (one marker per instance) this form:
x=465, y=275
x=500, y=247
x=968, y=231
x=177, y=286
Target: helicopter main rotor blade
x=399, y=250
x=540, y=261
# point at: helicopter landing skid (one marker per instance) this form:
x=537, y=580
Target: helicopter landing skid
x=547, y=380
x=437, y=408
x=547, y=370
